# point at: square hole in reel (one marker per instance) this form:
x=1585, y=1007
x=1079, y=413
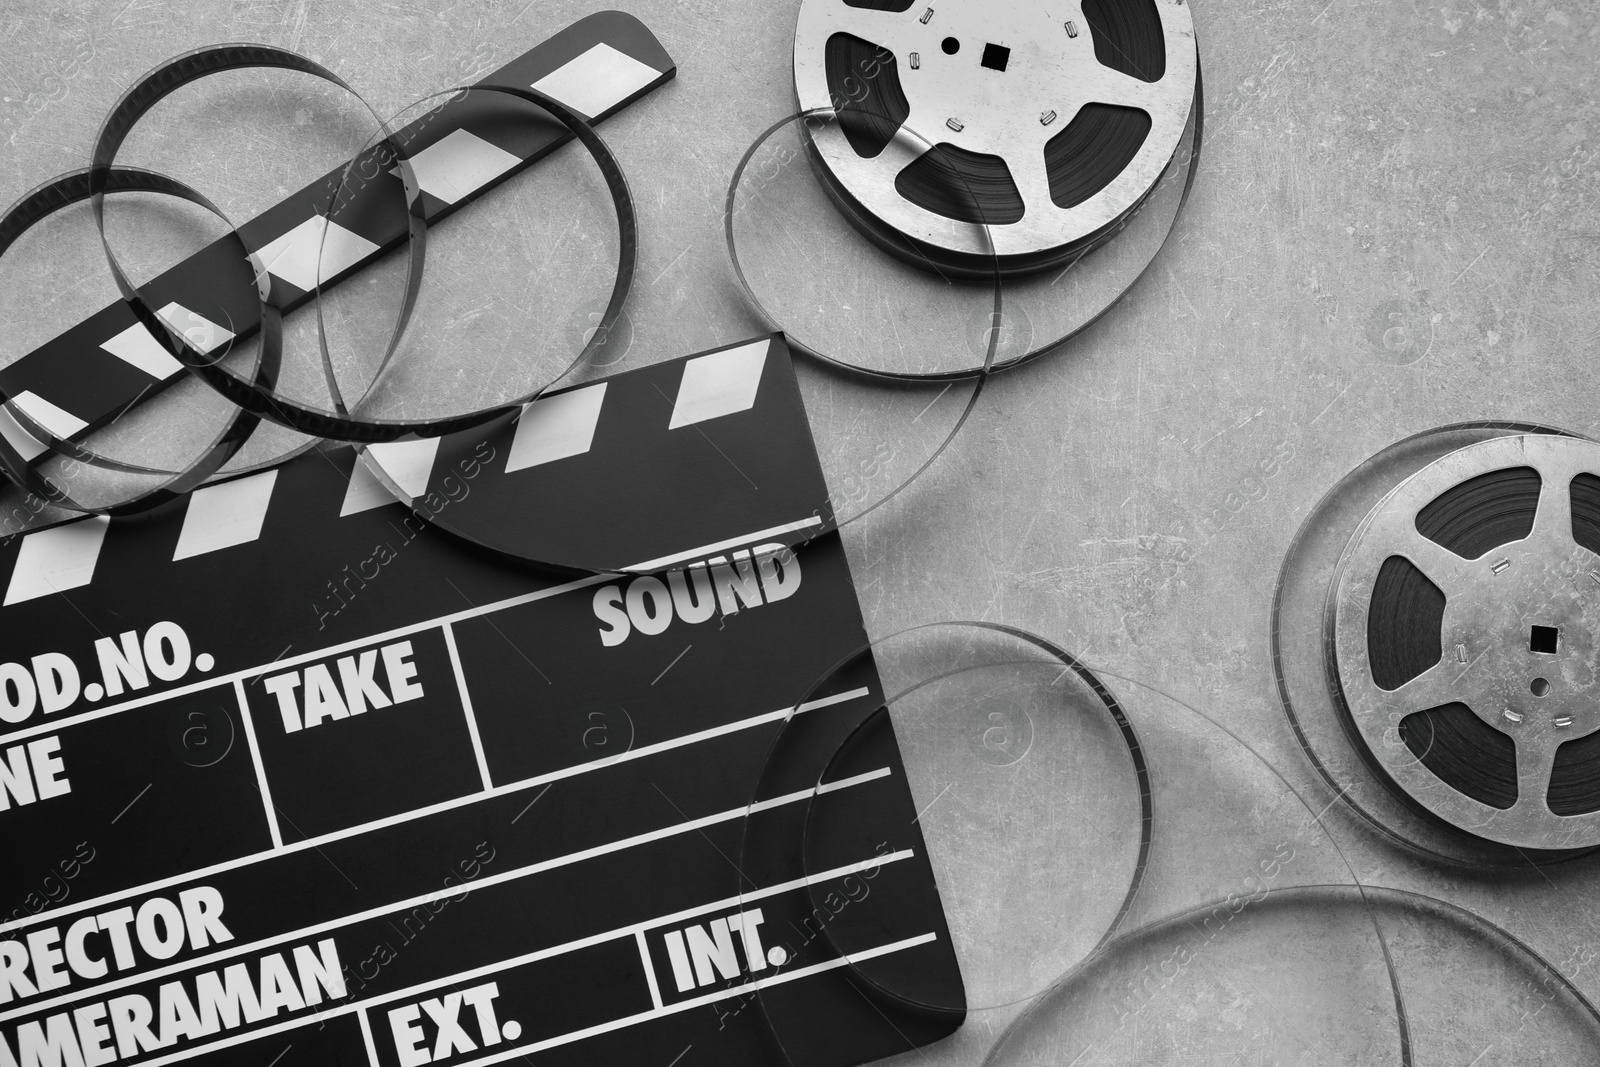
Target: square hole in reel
x=996, y=56
x=1543, y=639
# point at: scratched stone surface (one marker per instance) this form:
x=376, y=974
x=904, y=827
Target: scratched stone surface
x=1396, y=226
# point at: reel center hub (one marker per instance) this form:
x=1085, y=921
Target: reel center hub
x=1520, y=635
x=984, y=76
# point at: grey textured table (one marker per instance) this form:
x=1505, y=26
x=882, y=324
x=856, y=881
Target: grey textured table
x=1396, y=226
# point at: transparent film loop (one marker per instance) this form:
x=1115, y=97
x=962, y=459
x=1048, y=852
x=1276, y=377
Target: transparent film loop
x=256, y=398
x=1172, y=853
x=622, y=281
x=1306, y=676
x=904, y=142
x=381, y=385
x=873, y=441
x=1075, y=1021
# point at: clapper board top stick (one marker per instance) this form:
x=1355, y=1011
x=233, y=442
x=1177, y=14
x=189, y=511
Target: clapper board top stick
x=286, y=771
x=86, y=376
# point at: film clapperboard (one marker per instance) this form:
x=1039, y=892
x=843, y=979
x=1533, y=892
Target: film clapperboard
x=289, y=775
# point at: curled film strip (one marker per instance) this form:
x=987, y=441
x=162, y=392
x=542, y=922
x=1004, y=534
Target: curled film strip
x=33, y=437
x=213, y=315
x=467, y=148
x=457, y=164
x=843, y=314
x=204, y=348
x=1029, y=777
x=1260, y=990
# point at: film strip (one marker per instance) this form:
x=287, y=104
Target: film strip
x=1140, y=926
x=88, y=375
x=420, y=806
x=1289, y=940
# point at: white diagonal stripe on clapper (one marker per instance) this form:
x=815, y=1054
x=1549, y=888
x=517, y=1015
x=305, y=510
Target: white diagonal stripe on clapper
x=28, y=446
x=718, y=384
x=294, y=256
x=556, y=427
x=135, y=347
x=221, y=516
x=458, y=164
x=598, y=80
x=409, y=464
x=53, y=419
x=57, y=559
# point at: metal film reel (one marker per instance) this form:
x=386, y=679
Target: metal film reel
x=1462, y=637
x=1060, y=116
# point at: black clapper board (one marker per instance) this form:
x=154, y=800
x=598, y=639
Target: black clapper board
x=289, y=776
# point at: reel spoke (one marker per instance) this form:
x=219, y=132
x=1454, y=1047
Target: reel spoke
x=1438, y=685
x=1444, y=568
x=1535, y=766
x=1108, y=86
x=1033, y=183
x=893, y=31
x=1552, y=522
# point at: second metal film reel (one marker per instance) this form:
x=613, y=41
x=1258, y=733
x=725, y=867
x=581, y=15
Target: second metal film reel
x=1433, y=643
x=1463, y=636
